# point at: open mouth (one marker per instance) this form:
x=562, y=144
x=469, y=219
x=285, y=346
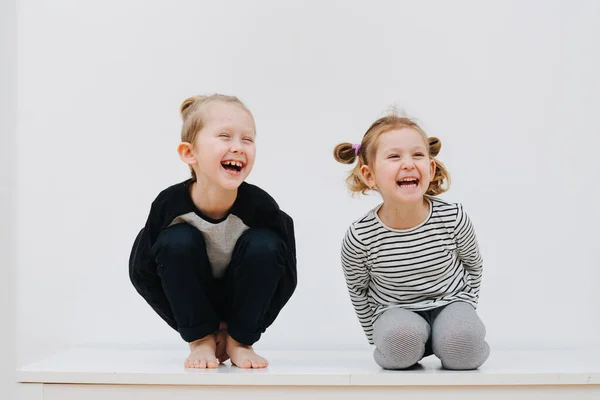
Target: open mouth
x=232, y=166
x=408, y=183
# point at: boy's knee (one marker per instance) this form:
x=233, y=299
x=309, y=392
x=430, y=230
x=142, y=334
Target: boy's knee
x=179, y=239
x=262, y=243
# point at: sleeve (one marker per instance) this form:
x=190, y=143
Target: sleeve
x=468, y=250
x=283, y=225
x=287, y=225
x=286, y=231
x=356, y=272
x=142, y=267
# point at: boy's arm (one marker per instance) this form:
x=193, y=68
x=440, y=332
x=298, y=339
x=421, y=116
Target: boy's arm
x=286, y=226
x=468, y=250
x=357, y=279
x=142, y=268
x=285, y=229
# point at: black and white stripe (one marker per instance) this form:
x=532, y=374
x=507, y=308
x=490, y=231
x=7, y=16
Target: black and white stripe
x=431, y=265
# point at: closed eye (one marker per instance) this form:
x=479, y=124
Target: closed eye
x=224, y=135
x=419, y=155
x=393, y=156
x=249, y=140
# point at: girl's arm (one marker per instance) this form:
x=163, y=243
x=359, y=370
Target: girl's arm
x=354, y=263
x=468, y=250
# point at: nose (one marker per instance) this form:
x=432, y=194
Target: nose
x=236, y=146
x=408, y=163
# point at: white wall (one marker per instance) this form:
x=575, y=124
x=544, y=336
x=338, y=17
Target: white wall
x=512, y=88
x=8, y=92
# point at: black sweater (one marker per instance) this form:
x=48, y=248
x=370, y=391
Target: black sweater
x=255, y=207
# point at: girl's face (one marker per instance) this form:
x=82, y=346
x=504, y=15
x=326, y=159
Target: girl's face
x=224, y=149
x=401, y=169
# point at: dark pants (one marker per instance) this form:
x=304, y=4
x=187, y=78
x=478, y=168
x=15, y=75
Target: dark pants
x=242, y=298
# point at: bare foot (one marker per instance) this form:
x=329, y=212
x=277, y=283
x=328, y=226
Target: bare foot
x=202, y=353
x=244, y=356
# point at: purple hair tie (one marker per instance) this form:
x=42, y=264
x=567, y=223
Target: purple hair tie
x=356, y=148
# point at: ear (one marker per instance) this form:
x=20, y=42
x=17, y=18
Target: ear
x=432, y=168
x=367, y=176
x=186, y=154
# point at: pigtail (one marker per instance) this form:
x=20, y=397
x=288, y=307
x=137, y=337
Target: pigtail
x=344, y=153
x=347, y=153
x=441, y=178
x=435, y=145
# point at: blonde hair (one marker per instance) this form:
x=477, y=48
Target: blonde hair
x=193, y=110
x=345, y=153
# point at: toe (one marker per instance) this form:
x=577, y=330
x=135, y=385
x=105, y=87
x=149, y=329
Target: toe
x=258, y=363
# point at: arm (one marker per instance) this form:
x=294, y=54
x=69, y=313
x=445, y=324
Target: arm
x=468, y=250
x=283, y=225
x=142, y=268
x=357, y=279
x=285, y=228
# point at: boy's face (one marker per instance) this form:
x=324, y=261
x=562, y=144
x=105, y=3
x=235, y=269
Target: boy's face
x=402, y=168
x=225, y=148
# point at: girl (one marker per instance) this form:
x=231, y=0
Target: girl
x=217, y=257
x=412, y=264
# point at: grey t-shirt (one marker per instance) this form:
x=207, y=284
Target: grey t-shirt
x=220, y=237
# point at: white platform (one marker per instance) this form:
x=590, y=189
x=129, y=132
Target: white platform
x=120, y=372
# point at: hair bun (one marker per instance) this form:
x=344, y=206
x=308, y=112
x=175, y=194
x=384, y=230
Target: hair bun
x=187, y=106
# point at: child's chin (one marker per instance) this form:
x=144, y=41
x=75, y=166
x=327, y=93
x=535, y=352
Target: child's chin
x=409, y=197
x=232, y=183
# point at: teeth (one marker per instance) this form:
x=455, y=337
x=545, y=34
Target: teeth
x=412, y=182
x=234, y=163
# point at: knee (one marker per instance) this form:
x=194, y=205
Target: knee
x=462, y=349
x=177, y=240
x=262, y=244
x=401, y=346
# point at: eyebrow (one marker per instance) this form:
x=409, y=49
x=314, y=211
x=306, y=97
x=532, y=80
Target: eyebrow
x=399, y=150
x=229, y=128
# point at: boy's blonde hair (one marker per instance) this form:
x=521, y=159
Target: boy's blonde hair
x=193, y=110
x=346, y=153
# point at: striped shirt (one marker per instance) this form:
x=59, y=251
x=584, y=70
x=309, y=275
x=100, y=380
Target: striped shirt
x=431, y=265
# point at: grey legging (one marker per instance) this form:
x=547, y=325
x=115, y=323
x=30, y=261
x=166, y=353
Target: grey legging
x=454, y=333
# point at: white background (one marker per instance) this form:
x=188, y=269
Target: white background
x=511, y=87
x=8, y=93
